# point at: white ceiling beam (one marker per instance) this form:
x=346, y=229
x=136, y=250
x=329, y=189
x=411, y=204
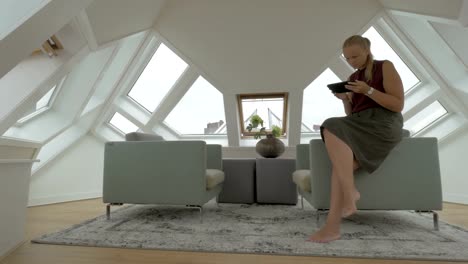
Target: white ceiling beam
x=453, y=12
x=19, y=43
x=86, y=29
x=463, y=16
x=231, y=111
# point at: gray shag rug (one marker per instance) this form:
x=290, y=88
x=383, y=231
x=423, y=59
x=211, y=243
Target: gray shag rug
x=267, y=229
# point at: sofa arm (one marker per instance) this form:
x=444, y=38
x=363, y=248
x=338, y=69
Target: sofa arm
x=302, y=157
x=214, y=157
x=408, y=179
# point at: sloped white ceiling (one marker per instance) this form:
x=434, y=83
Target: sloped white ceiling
x=115, y=19
x=263, y=45
x=31, y=33
x=431, y=8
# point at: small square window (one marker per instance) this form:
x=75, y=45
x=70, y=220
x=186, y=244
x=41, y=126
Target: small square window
x=271, y=108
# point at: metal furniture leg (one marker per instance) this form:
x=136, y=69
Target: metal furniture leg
x=108, y=206
x=435, y=218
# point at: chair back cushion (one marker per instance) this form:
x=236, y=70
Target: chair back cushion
x=140, y=136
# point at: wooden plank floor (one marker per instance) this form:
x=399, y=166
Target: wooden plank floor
x=45, y=219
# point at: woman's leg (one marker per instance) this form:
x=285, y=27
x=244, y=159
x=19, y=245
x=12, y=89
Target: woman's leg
x=331, y=230
x=357, y=195
x=343, y=191
x=341, y=157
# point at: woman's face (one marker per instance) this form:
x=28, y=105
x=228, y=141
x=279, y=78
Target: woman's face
x=356, y=56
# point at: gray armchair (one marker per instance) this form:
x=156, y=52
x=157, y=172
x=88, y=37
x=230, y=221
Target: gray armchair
x=161, y=172
x=408, y=179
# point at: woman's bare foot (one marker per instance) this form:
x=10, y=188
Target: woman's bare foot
x=324, y=235
x=351, y=209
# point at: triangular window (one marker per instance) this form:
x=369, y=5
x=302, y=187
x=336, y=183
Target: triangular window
x=200, y=111
x=45, y=100
x=382, y=51
x=122, y=124
x=158, y=77
x=41, y=105
x=319, y=103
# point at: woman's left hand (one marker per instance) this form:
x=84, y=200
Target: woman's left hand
x=358, y=87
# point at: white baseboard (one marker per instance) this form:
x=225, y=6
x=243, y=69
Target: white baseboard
x=33, y=201
x=5, y=254
x=456, y=198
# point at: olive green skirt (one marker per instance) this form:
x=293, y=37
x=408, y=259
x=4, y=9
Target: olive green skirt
x=371, y=134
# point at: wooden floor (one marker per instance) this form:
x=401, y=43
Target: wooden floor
x=45, y=219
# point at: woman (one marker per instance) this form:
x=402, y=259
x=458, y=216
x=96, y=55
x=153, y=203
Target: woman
x=364, y=137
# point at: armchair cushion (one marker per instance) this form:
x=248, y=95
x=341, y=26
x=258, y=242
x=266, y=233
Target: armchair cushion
x=213, y=178
x=302, y=179
x=140, y=136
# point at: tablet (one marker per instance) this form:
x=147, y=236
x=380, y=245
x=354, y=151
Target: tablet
x=338, y=87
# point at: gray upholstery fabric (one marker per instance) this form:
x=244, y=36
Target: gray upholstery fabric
x=273, y=181
x=408, y=179
x=302, y=157
x=405, y=133
x=158, y=172
x=140, y=136
x=239, y=181
x=214, y=157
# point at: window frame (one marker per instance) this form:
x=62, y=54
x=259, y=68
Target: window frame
x=44, y=109
x=433, y=122
x=115, y=128
x=150, y=52
x=246, y=134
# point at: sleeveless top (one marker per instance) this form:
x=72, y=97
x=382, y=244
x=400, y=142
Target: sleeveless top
x=362, y=102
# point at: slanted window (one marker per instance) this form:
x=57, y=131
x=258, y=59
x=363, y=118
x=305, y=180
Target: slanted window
x=200, y=111
x=158, y=77
x=45, y=100
x=41, y=105
x=382, y=51
x=272, y=108
x=425, y=117
x=122, y=124
x=319, y=103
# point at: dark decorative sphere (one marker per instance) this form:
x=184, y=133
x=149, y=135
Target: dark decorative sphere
x=270, y=147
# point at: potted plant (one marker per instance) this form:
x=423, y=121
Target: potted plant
x=276, y=131
x=271, y=146
x=255, y=121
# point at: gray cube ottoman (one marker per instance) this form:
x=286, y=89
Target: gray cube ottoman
x=239, y=181
x=274, y=181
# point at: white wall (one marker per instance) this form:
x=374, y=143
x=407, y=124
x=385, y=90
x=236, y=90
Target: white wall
x=251, y=153
x=452, y=156
x=15, y=172
x=76, y=175
x=14, y=179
